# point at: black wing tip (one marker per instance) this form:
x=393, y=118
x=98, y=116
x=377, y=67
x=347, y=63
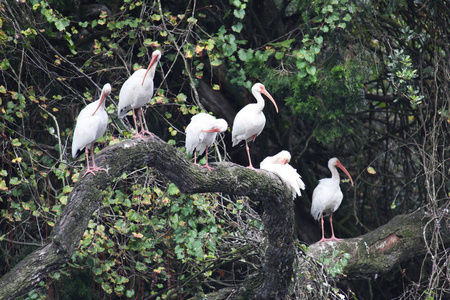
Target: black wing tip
x=78, y=153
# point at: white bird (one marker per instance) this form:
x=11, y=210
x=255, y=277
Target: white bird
x=91, y=124
x=250, y=120
x=201, y=134
x=327, y=196
x=279, y=164
x=137, y=91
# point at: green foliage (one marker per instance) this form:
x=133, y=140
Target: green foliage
x=321, y=62
x=150, y=231
x=335, y=263
x=402, y=74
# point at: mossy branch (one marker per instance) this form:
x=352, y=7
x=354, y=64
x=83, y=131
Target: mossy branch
x=128, y=155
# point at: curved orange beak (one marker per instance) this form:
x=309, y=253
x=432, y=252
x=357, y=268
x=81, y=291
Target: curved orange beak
x=340, y=166
x=152, y=62
x=212, y=130
x=103, y=97
x=265, y=92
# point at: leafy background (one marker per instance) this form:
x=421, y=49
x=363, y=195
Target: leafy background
x=364, y=81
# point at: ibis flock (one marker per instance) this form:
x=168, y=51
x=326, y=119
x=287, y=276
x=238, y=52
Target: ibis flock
x=201, y=134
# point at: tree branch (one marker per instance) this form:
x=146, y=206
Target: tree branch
x=128, y=155
x=378, y=251
x=375, y=252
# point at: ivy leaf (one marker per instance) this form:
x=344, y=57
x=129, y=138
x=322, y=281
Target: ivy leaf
x=216, y=62
x=16, y=143
x=129, y=293
x=4, y=64
x=318, y=39
x=279, y=55
x=286, y=43
x=311, y=70
x=371, y=170
x=239, y=13
x=173, y=189
x=61, y=24
x=237, y=28
x=3, y=186
x=245, y=55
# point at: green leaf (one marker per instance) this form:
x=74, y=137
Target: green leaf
x=301, y=74
x=279, y=55
x=173, y=189
x=245, y=55
x=237, y=28
x=16, y=143
x=107, y=288
x=14, y=181
x=347, y=18
x=5, y=64
x=318, y=39
x=286, y=43
x=239, y=13
x=61, y=24
x=140, y=266
x=83, y=24
x=129, y=293
x=216, y=62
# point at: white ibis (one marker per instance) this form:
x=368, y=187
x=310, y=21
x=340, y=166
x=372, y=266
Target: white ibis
x=250, y=120
x=201, y=134
x=137, y=91
x=91, y=124
x=279, y=164
x=327, y=196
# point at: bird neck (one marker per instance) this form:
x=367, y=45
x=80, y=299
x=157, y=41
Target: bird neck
x=151, y=72
x=334, y=174
x=259, y=100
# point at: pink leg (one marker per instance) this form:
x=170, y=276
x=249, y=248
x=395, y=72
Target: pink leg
x=94, y=167
x=195, y=157
x=323, y=234
x=332, y=230
x=87, y=159
x=249, y=159
x=135, y=123
x=207, y=166
x=140, y=134
x=143, y=131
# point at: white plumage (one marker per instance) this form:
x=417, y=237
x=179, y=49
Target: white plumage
x=137, y=91
x=201, y=134
x=250, y=120
x=91, y=124
x=327, y=196
x=279, y=164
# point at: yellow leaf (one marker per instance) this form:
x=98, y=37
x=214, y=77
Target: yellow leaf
x=371, y=170
x=137, y=235
x=17, y=159
x=199, y=49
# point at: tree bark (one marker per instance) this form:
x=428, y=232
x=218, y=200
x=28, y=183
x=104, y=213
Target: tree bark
x=228, y=178
x=377, y=252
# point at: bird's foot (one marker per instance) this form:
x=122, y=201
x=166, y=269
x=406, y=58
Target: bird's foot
x=333, y=238
x=93, y=170
x=146, y=132
x=208, y=167
x=143, y=133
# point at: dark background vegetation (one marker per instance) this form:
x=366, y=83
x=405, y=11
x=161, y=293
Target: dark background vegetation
x=365, y=81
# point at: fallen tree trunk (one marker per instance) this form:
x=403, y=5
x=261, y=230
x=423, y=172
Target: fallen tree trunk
x=228, y=178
